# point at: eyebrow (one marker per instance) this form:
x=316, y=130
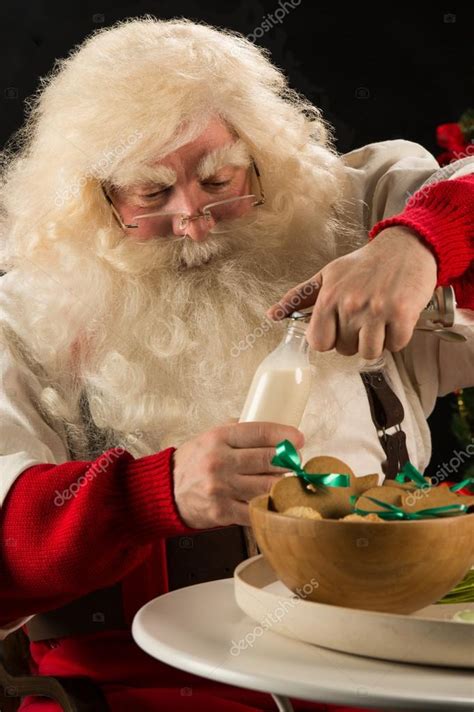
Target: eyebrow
x=232, y=154
x=159, y=176
x=235, y=154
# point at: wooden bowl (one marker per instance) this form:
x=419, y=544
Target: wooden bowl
x=393, y=566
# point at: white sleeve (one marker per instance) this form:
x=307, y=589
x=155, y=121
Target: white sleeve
x=438, y=367
x=26, y=438
x=381, y=177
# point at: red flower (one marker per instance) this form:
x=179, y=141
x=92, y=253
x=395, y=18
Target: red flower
x=451, y=137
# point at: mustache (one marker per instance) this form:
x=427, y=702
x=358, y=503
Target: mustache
x=182, y=252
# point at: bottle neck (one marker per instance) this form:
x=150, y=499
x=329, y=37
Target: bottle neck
x=295, y=336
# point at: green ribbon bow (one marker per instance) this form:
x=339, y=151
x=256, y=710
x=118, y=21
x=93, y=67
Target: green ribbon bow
x=409, y=472
x=394, y=512
x=287, y=456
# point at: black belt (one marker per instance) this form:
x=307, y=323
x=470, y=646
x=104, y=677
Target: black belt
x=96, y=611
x=207, y=556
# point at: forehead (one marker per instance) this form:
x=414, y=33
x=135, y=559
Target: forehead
x=215, y=135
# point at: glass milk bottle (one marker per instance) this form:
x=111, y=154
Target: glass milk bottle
x=281, y=384
x=280, y=389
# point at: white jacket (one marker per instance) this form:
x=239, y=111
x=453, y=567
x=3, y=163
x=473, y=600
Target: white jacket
x=380, y=178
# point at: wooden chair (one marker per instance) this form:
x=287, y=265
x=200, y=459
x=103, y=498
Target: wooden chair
x=74, y=694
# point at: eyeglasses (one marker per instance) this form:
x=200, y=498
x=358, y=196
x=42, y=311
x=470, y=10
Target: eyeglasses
x=221, y=214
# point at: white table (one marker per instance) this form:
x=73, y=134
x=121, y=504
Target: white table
x=197, y=629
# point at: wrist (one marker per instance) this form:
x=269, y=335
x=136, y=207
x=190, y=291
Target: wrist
x=411, y=239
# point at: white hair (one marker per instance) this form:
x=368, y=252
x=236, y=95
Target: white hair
x=149, y=341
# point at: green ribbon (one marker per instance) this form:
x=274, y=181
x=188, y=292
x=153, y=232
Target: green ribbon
x=287, y=456
x=468, y=482
x=394, y=512
x=409, y=472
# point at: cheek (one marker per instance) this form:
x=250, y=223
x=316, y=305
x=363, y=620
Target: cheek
x=128, y=212
x=143, y=232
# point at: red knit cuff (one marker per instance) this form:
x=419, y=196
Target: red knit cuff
x=151, y=496
x=442, y=216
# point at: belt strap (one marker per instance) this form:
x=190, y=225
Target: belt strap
x=387, y=411
x=207, y=556
x=190, y=559
x=96, y=611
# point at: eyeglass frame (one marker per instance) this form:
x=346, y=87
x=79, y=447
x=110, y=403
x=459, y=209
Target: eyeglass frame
x=189, y=218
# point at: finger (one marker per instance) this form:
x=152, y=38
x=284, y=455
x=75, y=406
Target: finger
x=302, y=296
x=347, y=338
x=246, y=487
x=321, y=333
x=372, y=339
x=254, y=461
x=261, y=434
x=398, y=334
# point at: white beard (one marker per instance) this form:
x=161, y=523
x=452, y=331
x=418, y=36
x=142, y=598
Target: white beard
x=173, y=337
x=196, y=347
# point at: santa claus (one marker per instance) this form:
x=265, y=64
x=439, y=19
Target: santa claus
x=171, y=199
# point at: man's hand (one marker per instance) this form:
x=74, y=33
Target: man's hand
x=217, y=472
x=369, y=299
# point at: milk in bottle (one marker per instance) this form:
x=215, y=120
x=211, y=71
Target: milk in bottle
x=280, y=387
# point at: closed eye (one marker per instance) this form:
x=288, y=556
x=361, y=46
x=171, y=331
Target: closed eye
x=216, y=184
x=163, y=191
x=157, y=193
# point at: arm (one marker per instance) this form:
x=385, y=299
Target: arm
x=84, y=524
x=382, y=177
x=365, y=315
x=441, y=214
x=69, y=527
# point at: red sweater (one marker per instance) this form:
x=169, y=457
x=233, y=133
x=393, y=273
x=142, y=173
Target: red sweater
x=115, y=528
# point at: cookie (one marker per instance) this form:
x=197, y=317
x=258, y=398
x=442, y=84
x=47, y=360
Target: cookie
x=362, y=518
x=433, y=497
x=325, y=463
x=330, y=502
x=303, y=513
x=391, y=495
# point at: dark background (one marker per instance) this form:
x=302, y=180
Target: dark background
x=377, y=72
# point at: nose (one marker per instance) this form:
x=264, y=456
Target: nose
x=196, y=226
x=190, y=201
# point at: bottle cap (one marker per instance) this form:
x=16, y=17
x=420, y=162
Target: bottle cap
x=301, y=315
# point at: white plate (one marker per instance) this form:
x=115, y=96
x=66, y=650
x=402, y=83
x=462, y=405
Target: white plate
x=428, y=636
